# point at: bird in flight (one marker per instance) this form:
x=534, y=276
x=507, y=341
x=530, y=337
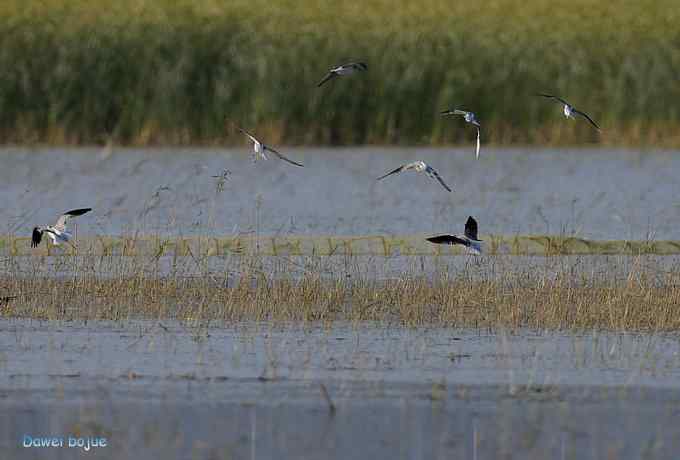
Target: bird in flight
x=569, y=109
x=469, y=118
x=260, y=149
x=57, y=232
x=469, y=239
x=418, y=166
x=344, y=69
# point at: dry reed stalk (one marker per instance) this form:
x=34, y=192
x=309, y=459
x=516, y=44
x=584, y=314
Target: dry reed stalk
x=487, y=293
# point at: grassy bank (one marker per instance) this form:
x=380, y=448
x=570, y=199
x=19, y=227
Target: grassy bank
x=491, y=293
x=161, y=71
x=331, y=245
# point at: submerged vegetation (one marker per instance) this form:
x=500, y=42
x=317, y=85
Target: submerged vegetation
x=558, y=293
x=171, y=72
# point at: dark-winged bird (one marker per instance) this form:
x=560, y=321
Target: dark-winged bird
x=57, y=232
x=469, y=239
x=342, y=70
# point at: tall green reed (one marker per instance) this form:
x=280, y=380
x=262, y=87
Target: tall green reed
x=161, y=71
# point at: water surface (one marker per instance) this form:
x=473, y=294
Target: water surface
x=255, y=391
x=593, y=193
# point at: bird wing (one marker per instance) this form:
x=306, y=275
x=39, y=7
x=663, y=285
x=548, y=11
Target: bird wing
x=329, y=76
x=448, y=239
x=477, y=150
x=471, y=228
x=453, y=112
x=353, y=65
x=36, y=237
x=394, y=171
x=283, y=157
x=61, y=222
x=555, y=97
x=250, y=136
x=433, y=173
x=585, y=115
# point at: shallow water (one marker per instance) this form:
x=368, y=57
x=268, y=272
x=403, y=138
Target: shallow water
x=254, y=391
x=597, y=193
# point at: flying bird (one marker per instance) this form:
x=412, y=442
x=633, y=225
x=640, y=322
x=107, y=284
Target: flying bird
x=418, y=166
x=57, y=232
x=469, y=118
x=260, y=149
x=569, y=110
x=469, y=239
x=341, y=70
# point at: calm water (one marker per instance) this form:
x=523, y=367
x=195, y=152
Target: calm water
x=603, y=194
x=172, y=391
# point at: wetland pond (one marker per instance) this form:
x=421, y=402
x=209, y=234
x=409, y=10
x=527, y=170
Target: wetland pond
x=169, y=390
x=592, y=193
x=173, y=390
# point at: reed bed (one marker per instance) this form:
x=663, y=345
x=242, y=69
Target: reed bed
x=171, y=72
x=481, y=293
x=329, y=245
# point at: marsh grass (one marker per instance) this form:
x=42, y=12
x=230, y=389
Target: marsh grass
x=170, y=72
x=482, y=293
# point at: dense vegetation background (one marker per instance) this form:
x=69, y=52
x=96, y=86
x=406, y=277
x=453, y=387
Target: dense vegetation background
x=171, y=71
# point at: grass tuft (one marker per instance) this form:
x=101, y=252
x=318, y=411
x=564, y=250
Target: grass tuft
x=492, y=292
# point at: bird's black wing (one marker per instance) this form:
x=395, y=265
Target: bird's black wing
x=471, y=228
x=554, y=97
x=36, y=237
x=61, y=222
x=436, y=175
x=395, y=171
x=585, y=115
x=329, y=76
x=448, y=239
x=281, y=156
x=77, y=212
x=250, y=136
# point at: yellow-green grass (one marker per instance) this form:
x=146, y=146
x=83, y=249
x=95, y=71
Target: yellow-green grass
x=483, y=293
x=171, y=71
x=300, y=245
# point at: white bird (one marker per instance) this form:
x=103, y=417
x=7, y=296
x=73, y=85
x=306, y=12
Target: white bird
x=344, y=69
x=469, y=239
x=57, y=232
x=260, y=149
x=418, y=166
x=469, y=118
x=569, y=110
